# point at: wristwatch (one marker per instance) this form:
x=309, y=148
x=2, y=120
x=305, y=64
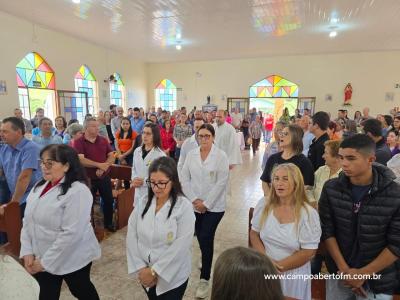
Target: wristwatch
x=153, y=273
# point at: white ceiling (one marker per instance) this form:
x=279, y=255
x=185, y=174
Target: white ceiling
x=219, y=29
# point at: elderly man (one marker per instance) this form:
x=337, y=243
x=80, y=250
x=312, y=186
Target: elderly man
x=37, y=117
x=308, y=136
x=116, y=121
x=46, y=136
x=28, y=125
x=225, y=139
x=96, y=156
x=19, y=160
x=237, y=118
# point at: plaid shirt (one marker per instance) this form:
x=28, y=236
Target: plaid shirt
x=256, y=129
x=182, y=133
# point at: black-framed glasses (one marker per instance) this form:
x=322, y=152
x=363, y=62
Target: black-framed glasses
x=48, y=164
x=283, y=133
x=159, y=185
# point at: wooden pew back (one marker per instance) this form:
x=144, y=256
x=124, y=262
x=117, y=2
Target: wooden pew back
x=10, y=223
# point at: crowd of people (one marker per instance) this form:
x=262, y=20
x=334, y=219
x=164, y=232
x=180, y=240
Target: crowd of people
x=325, y=180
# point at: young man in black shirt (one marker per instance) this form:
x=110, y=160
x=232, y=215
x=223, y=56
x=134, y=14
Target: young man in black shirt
x=373, y=128
x=320, y=122
x=360, y=220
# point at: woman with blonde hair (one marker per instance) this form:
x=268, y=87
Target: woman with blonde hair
x=287, y=229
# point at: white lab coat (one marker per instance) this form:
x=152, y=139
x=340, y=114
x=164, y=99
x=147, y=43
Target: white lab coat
x=57, y=229
x=225, y=139
x=165, y=244
x=206, y=180
x=187, y=146
x=140, y=168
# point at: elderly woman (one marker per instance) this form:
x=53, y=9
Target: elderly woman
x=74, y=132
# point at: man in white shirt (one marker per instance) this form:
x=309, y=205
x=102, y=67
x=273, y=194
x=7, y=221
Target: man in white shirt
x=116, y=121
x=189, y=144
x=237, y=118
x=225, y=139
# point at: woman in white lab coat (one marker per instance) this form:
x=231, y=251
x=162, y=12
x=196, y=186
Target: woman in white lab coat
x=57, y=239
x=204, y=179
x=160, y=234
x=143, y=157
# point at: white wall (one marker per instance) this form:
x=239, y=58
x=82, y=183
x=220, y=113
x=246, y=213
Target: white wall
x=65, y=55
x=371, y=76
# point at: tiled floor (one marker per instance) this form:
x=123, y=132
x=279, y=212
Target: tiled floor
x=109, y=274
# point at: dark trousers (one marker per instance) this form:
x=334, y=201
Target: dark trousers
x=129, y=161
x=175, y=294
x=78, y=283
x=316, y=264
x=103, y=185
x=205, y=227
x=177, y=153
x=255, y=144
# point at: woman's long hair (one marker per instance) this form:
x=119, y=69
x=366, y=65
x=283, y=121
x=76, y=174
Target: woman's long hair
x=299, y=194
x=167, y=166
x=121, y=130
x=296, y=138
x=155, y=130
x=65, y=155
x=240, y=273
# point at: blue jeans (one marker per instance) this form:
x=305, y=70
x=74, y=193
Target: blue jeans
x=205, y=228
x=335, y=290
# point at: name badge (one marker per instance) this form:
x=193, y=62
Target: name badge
x=212, y=175
x=170, y=237
x=149, y=163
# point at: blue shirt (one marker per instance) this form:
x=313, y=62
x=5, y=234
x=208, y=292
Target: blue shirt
x=137, y=125
x=37, y=131
x=43, y=142
x=14, y=160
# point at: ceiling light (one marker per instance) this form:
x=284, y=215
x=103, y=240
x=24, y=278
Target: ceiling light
x=178, y=36
x=333, y=34
x=334, y=20
x=178, y=47
x=76, y=1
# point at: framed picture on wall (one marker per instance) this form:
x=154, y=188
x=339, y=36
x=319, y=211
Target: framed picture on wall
x=242, y=103
x=306, y=102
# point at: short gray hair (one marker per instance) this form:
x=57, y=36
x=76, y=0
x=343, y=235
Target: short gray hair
x=74, y=129
x=86, y=122
x=44, y=119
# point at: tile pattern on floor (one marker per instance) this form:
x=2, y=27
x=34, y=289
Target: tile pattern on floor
x=109, y=273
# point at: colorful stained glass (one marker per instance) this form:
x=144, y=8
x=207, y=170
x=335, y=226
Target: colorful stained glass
x=117, y=90
x=274, y=87
x=85, y=81
x=34, y=72
x=166, y=95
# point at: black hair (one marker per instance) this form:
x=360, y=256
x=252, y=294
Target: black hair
x=121, y=130
x=16, y=124
x=165, y=165
x=136, y=109
x=112, y=106
x=155, y=130
x=65, y=154
x=388, y=119
x=73, y=121
x=322, y=119
x=208, y=127
x=360, y=142
x=373, y=126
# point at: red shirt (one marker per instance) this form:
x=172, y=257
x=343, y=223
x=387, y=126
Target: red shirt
x=269, y=122
x=173, y=122
x=167, y=139
x=49, y=186
x=97, y=151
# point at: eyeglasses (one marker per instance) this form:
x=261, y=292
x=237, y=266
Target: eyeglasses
x=206, y=137
x=283, y=133
x=159, y=185
x=48, y=164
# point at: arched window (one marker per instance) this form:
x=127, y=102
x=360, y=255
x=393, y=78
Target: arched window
x=36, y=86
x=85, y=81
x=117, y=91
x=272, y=94
x=165, y=94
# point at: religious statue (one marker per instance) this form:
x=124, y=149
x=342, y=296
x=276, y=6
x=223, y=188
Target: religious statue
x=348, y=91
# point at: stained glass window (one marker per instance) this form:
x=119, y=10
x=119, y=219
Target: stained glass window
x=165, y=94
x=36, y=85
x=117, y=91
x=86, y=82
x=274, y=87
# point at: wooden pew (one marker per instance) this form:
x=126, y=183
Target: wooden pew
x=123, y=198
x=10, y=223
